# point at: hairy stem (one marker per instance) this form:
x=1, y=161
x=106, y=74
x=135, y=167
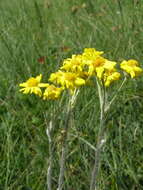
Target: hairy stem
x=50, y=160
x=65, y=139
x=101, y=139
x=64, y=151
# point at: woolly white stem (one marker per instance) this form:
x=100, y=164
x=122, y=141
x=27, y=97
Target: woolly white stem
x=101, y=138
x=50, y=161
x=65, y=139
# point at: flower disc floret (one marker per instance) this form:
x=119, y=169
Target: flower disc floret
x=131, y=67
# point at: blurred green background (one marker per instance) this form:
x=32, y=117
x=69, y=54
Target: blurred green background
x=52, y=30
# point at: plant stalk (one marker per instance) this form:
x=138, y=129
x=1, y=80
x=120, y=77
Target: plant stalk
x=51, y=156
x=104, y=108
x=101, y=139
x=65, y=140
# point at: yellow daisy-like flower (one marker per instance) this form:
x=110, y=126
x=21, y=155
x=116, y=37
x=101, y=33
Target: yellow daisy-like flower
x=99, y=66
x=74, y=64
x=131, y=67
x=52, y=92
x=110, y=77
x=93, y=59
x=32, y=85
x=91, y=54
x=94, y=64
x=107, y=65
x=67, y=79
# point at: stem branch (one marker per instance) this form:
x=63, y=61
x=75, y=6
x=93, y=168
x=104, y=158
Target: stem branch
x=115, y=95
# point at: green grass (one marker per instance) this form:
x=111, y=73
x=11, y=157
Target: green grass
x=28, y=30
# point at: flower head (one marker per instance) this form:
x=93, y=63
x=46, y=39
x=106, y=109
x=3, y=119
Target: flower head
x=67, y=79
x=105, y=66
x=32, y=85
x=91, y=54
x=110, y=77
x=92, y=65
x=131, y=67
x=52, y=92
x=74, y=64
x=96, y=64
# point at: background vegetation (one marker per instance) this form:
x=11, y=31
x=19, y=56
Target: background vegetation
x=55, y=30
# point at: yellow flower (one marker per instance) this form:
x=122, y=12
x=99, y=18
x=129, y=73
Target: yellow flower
x=98, y=66
x=52, y=92
x=131, y=67
x=32, y=85
x=109, y=77
x=91, y=53
x=94, y=64
x=106, y=66
x=74, y=64
x=109, y=65
x=92, y=59
x=67, y=79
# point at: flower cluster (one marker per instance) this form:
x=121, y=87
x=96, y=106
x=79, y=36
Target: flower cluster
x=77, y=71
